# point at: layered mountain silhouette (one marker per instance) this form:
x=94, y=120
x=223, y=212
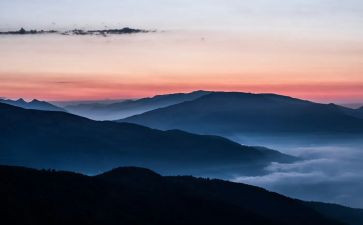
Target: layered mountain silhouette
x=360, y=111
x=44, y=139
x=230, y=113
x=34, y=104
x=352, y=112
x=119, y=110
x=114, y=111
x=140, y=196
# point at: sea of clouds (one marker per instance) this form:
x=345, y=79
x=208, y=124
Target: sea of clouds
x=331, y=174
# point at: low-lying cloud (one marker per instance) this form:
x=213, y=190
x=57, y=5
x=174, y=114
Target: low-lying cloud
x=329, y=173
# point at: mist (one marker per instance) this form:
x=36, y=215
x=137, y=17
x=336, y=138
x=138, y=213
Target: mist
x=327, y=173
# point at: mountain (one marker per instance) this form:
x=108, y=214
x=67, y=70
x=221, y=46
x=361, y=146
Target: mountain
x=140, y=196
x=60, y=140
x=358, y=112
x=232, y=113
x=34, y=104
x=353, y=112
x=355, y=105
x=128, y=108
x=79, y=102
x=338, y=212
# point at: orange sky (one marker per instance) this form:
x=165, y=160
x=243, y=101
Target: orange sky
x=78, y=68
x=310, y=49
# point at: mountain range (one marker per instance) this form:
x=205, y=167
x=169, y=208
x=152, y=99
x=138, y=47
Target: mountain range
x=60, y=140
x=352, y=112
x=119, y=110
x=34, y=104
x=140, y=196
x=232, y=113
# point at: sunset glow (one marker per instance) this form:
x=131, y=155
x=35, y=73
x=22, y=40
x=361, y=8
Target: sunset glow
x=320, y=58
x=181, y=112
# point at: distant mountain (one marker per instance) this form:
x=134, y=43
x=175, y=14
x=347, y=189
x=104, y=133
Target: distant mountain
x=352, y=105
x=60, y=140
x=82, y=102
x=353, y=112
x=34, y=104
x=128, y=108
x=140, y=196
x=358, y=113
x=231, y=113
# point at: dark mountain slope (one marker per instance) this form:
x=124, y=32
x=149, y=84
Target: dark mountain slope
x=131, y=107
x=351, y=112
x=139, y=196
x=34, y=104
x=229, y=113
x=64, y=141
x=338, y=212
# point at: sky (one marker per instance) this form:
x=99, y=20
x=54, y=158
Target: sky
x=311, y=49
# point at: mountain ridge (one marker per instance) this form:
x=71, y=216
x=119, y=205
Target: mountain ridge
x=61, y=140
x=234, y=112
x=152, y=199
x=34, y=104
x=127, y=108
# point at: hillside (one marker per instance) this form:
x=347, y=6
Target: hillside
x=119, y=110
x=34, y=104
x=231, y=113
x=60, y=140
x=140, y=196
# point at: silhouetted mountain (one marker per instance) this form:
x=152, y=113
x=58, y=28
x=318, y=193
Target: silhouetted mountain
x=34, y=104
x=353, y=112
x=337, y=212
x=128, y=108
x=60, y=140
x=231, y=113
x=360, y=110
x=358, y=113
x=139, y=196
x=355, y=105
x=82, y=102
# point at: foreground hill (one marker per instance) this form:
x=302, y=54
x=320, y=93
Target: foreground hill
x=231, y=113
x=338, y=212
x=114, y=111
x=34, y=104
x=140, y=196
x=60, y=140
